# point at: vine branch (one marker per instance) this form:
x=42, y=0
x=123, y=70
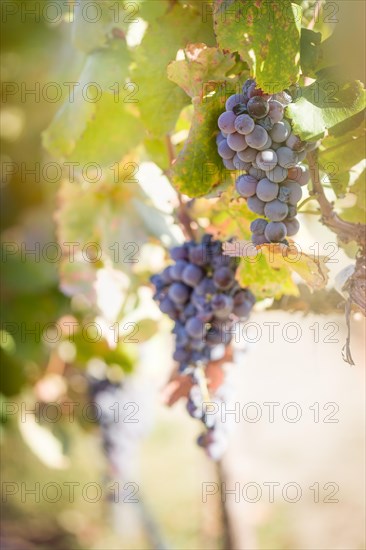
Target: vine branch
x=355, y=287
x=346, y=231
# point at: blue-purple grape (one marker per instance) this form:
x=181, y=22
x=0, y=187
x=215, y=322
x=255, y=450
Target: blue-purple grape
x=275, y=232
x=226, y=122
x=257, y=138
x=237, y=142
x=225, y=151
x=244, y=124
x=256, y=205
x=246, y=186
x=276, y=210
x=267, y=190
x=258, y=226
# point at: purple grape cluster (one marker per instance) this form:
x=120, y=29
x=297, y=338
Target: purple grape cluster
x=256, y=138
x=199, y=292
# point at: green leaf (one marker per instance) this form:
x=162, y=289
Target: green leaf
x=267, y=34
x=268, y=270
x=94, y=21
x=203, y=76
x=324, y=104
x=340, y=154
x=161, y=101
x=264, y=280
x=310, y=51
x=202, y=65
x=109, y=135
x=344, y=50
x=357, y=213
x=100, y=93
x=198, y=167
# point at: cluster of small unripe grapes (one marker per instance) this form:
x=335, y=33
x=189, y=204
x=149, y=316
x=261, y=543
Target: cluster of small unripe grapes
x=199, y=292
x=257, y=139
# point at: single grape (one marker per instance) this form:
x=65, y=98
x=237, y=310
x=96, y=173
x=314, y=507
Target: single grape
x=258, y=226
x=198, y=254
x=253, y=91
x=277, y=174
x=292, y=226
x=239, y=164
x=276, y=110
x=246, y=186
x=237, y=142
x=178, y=293
x=167, y=306
x=257, y=107
x=228, y=163
x=287, y=158
x=257, y=138
x=282, y=97
x=242, y=310
x=247, y=84
x=179, y=253
x=226, y=122
x=248, y=155
x=244, y=124
x=223, y=278
x=242, y=295
x=166, y=276
x=266, y=160
x=276, y=210
x=192, y=275
x=275, y=232
x=294, y=142
x=256, y=205
x=292, y=211
x=225, y=151
x=300, y=174
x=258, y=240
x=295, y=192
x=233, y=100
x=266, y=190
x=222, y=305
x=280, y=131
x=177, y=269
x=195, y=328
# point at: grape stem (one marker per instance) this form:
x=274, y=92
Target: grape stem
x=183, y=215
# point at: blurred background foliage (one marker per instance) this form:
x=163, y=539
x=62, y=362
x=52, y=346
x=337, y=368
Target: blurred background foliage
x=124, y=204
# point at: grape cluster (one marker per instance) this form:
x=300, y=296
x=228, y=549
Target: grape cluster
x=257, y=139
x=199, y=292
